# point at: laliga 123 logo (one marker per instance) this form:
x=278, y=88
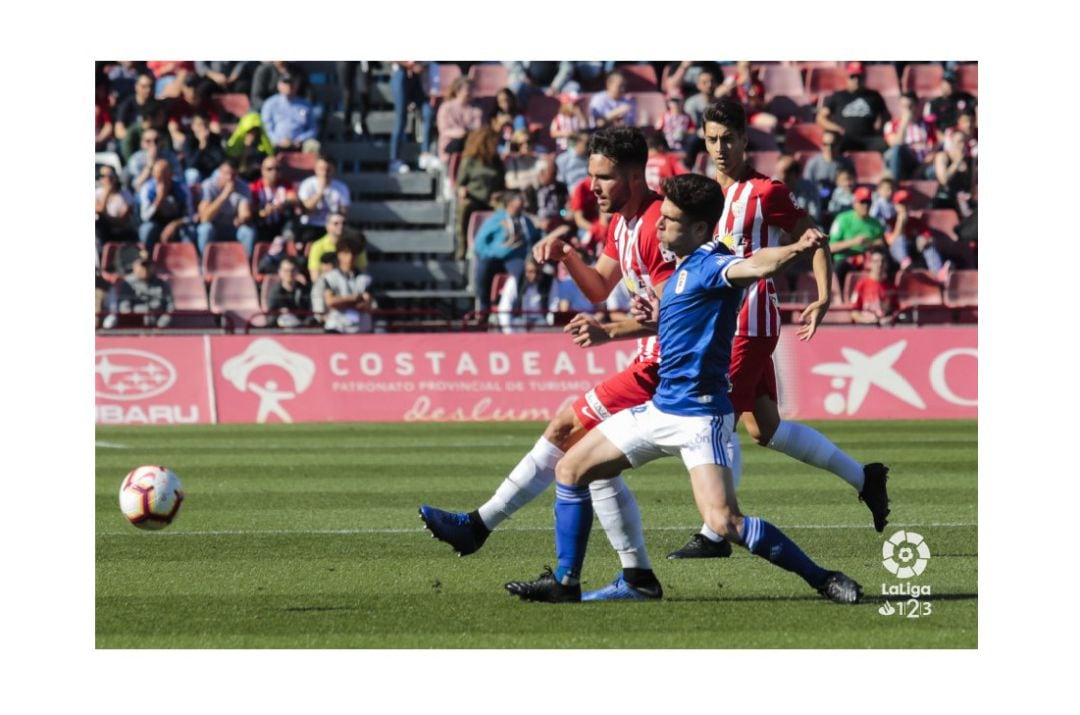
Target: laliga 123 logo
x=905, y=555
x=123, y=374
x=267, y=352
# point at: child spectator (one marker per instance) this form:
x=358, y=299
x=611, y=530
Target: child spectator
x=346, y=296
x=660, y=165
x=882, y=207
x=507, y=120
x=843, y=196
x=874, y=300
x=570, y=120
x=676, y=125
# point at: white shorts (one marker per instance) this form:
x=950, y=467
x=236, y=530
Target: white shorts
x=644, y=433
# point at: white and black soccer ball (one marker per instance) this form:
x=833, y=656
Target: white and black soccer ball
x=150, y=496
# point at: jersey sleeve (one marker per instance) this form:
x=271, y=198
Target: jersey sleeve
x=713, y=270
x=778, y=206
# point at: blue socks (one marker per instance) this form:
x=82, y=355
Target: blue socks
x=573, y=520
x=765, y=540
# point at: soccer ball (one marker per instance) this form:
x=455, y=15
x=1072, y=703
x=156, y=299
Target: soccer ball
x=151, y=496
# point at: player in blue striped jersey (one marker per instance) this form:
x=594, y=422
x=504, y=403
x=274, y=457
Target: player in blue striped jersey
x=690, y=415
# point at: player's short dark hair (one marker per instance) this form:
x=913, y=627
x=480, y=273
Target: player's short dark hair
x=623, y=145
x=698, y=197
x=728, y=112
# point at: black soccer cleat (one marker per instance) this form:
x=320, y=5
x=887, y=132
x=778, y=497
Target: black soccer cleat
x=840, y=589
x=874, y=494
x=545, y=589
x=458, y=529
x=699, y=547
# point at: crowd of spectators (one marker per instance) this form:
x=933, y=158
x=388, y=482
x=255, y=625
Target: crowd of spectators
x=179, y=164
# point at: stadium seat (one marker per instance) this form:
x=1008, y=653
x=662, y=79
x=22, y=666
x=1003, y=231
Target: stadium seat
x=269, y=283
x=923, y=79
x=763, y=162
x=176, y=259
x=541, y=110
x=922, y=193
x=649, y=107
x=967, y=78
x=108, y=261
x=892, y=103
x=488, y=79
x=918, y=287
x=758, y=140
x=780, y=80
x=496, y=287
x=806, y=65
x=962, y=289
x=943, y=220
x=236, y=104
x=189, y=293
x=882, y=77
x=804, y=136
x=639, y=78
x=823, y=81
x=234, y=297
x=225, y=258
x=869, y=166
x=296, y=166
x=850, y=281
x=448, y=72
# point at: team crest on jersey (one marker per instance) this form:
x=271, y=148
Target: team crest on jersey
x=728, y=240
x=681, y=283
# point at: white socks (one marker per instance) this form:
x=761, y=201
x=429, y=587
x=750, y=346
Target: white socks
x=533, y=474
x=808, y=445
x=613, y=503
x=617, y=510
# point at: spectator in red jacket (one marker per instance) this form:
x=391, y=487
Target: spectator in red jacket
x=874, y=300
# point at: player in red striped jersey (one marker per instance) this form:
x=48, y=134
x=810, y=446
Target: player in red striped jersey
x=632, y=253
x=760, y=212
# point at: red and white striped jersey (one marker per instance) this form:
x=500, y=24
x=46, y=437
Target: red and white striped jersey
x=635, y=245
x=757, y=210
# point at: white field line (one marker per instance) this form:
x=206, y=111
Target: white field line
x=349, y=532
x=110, y=445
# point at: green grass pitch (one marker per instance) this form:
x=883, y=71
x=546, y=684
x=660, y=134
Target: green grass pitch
x=307, y=536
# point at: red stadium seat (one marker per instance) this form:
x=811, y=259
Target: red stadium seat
x=882, y=77
x=236, y=104
x=649, y=107
x=108, y=261
x=943, y=220
x=850, y=281
x=541, y=110
x=892, y=103
x=488, y=79
x=823, y=81
x=269, y=283
x=763, y=162
x=869, y=166
x=189, y=292
x=296, y=166
x=923, y=79
x=235, y=297
x=176, y=259
x=780, y=80
x=922, y=193
x=962, y=289
x=967, y=78
x=639, y=78
x=803, y=137
x=448, y=72
x=225, y=258
x=918, y=287
x=806, y=65
x=496, y=287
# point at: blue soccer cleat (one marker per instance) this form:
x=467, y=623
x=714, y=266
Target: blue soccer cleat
x=620, y=590
x=458, y=529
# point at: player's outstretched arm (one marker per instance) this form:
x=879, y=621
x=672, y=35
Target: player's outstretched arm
x=814, y=313
x=768, y=262
x=588, y=331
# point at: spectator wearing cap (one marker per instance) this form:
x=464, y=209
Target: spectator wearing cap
x=856, y=113
x=943, y=111
x=854, y=232
x=569, y=120
x=572, y=165
x=274, y=201
x=911, y=142
x=346, y=295
x=502, y=243
x=661, y=164
x=144, y=293
x=265, y=81
x=822, y=169
x=225, y=210
x=458, y=115
x=164, y=206
x=675, y=123
x=320, y=195
x=612, y=107
x=802, y=190
x=289, y=121
x=289, y=302
x=335, y=233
